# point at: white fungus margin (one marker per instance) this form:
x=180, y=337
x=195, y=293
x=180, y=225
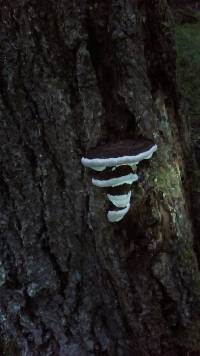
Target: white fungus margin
x=115, y=182
x=117, y=215
x=94, y=163
x=120, y=201
x=129, y=153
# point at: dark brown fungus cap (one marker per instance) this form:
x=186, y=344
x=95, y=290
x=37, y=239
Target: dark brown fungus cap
x=124, y=152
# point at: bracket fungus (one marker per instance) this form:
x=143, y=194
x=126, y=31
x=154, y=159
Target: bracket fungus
x=115, y=166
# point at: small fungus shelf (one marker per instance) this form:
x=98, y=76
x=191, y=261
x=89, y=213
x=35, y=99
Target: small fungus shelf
x=115, y=166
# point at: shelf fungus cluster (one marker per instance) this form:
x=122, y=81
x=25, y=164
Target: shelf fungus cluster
x=114, y=168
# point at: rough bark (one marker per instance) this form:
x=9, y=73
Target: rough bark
x=73, y=75
x=183, y=3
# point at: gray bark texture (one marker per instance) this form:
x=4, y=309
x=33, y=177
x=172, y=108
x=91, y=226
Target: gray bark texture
x=75, y=74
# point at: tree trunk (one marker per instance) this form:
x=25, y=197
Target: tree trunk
x=183, y=3
x=75, y=74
